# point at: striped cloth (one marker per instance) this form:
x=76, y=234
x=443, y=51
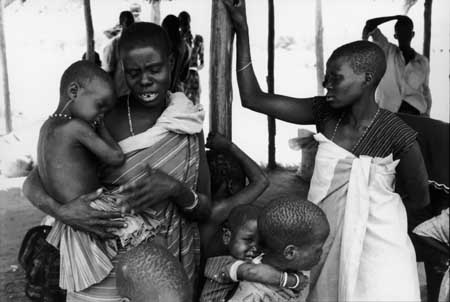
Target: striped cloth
x=388, y=134
x=176, y=155
x=214, y=291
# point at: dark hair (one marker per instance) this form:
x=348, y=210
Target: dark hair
x=144, y=34
x=82, y=72
x=198, y=39
x=172, y=26
x=126, y=18
x=224, y=169
x=150, y=264
x=185, y=18
x=240, y=215
x=363, y=56
x=287, y=221
x=404, y=22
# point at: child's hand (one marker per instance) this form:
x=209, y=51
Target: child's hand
x=217, y=142
x=236, y=10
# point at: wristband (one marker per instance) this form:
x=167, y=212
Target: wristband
x=285, y=279
x=233, y=270
x=194, y=203
x=297, y=282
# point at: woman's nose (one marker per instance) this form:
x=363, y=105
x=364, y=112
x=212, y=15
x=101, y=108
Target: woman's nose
x=146, y=79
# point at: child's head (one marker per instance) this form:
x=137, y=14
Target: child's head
x=404, y=30
x=86, y=91
x=150, y=272
x=292, y=232
x=353, y=71
x=240, y=232
x=145, y=52
x=227, y=175
x=126, y=19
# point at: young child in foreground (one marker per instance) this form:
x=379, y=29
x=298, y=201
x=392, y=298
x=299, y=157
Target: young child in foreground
x=68, y=150
x=149, y=272
x=292, y=233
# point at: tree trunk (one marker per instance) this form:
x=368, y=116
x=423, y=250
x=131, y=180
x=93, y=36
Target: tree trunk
x=427, y=28
x=90, y=51
x=319, y=48
x=4, y=74
x=220, y=89
x=155, y=11
x=271, y=124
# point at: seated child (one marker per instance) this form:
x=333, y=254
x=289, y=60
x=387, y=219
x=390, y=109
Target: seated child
x=68, y=150
x=292, y=234
x=240, y=236
x=229, y=167
x=149, y=272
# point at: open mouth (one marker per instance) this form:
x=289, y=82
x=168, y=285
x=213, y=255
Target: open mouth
x=148, y=97
x=330, y=98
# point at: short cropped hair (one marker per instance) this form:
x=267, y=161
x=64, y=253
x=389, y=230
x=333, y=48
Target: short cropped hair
x=288, y=221
x=224, y=169
x=363, y=56
x=82, y=72
x=144, y=34
x=240, y=215
x=404, y=22
x=150, y=265
x=126, y=17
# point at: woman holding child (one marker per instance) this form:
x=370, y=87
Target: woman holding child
x=362, y=151
x=154, y=129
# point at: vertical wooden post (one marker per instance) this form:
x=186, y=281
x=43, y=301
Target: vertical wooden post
x=319, y=48
x=155, y=11
x=4, y=73
x=271, y=124
x=427, y=28
x=90, y=51
x=220, y=89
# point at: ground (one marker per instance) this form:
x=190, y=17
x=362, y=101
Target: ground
x=17, y=215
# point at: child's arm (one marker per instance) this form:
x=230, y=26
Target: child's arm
x=294, y=110
x=413, y=178
x=109, y=154
x=262, y=273
x=258, y=180
x=106, y=136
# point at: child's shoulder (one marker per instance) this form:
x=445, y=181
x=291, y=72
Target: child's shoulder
x=66, y=126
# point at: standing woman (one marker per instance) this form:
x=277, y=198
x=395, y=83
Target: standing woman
x=165, y=172
x=363, y=152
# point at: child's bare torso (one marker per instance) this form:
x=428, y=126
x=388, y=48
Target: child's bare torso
x=67, y=168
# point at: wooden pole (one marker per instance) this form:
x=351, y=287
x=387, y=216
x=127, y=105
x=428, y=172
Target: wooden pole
x=220, y=89
x=4, y=73
x=271, y=124
x=155, y=11
x=319, y=48
x=90, y=51
x=427, y=28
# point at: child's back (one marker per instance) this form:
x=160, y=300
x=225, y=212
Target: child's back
x=68, y=147
x=67, y=168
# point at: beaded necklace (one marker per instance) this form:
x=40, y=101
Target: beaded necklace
x=362, y=135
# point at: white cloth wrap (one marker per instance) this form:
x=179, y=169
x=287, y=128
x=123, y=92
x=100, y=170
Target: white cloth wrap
x=181, y=116
x=368, y=255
